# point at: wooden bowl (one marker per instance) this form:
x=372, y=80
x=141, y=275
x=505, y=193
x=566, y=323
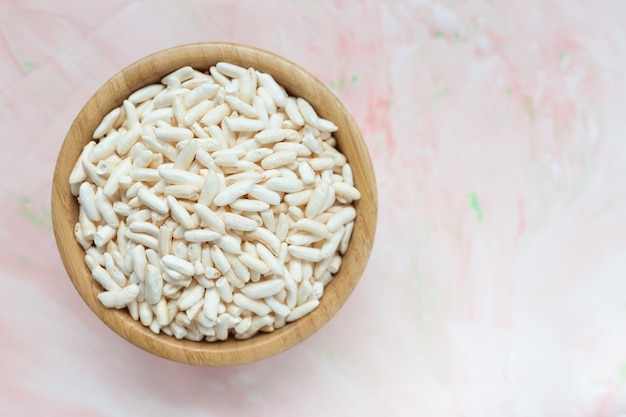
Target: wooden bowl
x=298, y=82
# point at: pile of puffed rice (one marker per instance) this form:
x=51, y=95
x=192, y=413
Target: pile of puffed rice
x=213, y=204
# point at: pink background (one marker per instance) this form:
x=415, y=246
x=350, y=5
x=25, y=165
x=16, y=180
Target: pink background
x=497, y=283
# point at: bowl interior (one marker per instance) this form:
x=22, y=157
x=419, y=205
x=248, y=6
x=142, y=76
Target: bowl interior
x=298, y=82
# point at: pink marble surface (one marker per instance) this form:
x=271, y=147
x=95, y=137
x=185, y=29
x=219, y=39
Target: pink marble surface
x=497, y=284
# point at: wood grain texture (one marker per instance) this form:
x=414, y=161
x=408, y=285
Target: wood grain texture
x=298, y=82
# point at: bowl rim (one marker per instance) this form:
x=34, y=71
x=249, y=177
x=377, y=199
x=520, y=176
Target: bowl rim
x=231, y=351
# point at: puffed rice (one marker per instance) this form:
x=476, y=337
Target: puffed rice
x=214, y=204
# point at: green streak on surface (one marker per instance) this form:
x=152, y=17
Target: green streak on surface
x=441, y=92
x=438, y=33
x=530, y=108
x=40, y=215
x=25, y=63
x=564, y=58
x=337, y=86
x=354, y=78
x=474, y=204
x=29, y=64
x=35, y=218
x=23, y=261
